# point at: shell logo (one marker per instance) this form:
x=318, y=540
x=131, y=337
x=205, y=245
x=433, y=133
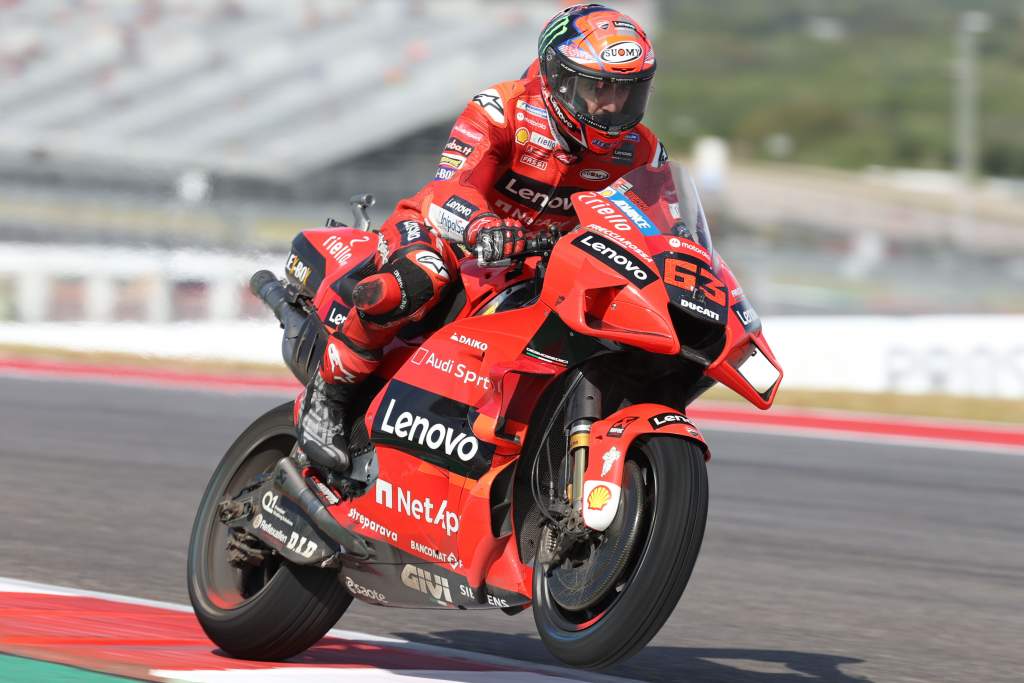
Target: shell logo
x=522, y=135
x=599, y=497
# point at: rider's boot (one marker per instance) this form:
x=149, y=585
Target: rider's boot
x=349, y=358
x=326, y=410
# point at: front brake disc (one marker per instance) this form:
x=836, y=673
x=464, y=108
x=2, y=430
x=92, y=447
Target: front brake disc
x=579, y=586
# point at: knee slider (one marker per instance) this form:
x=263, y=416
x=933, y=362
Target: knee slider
x=411, y=288
x=377, y=294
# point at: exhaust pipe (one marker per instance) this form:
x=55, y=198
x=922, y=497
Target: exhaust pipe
x=304, y=336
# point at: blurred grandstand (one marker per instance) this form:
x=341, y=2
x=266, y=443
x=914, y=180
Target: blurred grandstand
x=238, y=99
x=229, y=124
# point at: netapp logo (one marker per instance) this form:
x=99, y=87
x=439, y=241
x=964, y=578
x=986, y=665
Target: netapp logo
x=536, y=194
x=417, y=508
x=706, y=312
x=617, y=258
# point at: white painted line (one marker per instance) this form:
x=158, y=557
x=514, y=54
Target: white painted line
x=334, y=675
x=552, y=673
x=856, y=437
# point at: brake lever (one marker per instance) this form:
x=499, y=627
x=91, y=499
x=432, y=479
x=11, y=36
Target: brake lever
x=503, y=263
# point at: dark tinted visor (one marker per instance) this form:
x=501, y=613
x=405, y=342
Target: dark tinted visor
x=608, y=103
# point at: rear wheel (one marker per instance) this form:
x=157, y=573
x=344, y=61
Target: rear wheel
x=614, y=597
x=271, y=610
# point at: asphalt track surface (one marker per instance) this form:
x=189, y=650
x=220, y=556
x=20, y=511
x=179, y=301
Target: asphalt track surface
x=823, y=560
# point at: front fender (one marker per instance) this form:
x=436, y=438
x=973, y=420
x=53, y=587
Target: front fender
x=610, y=440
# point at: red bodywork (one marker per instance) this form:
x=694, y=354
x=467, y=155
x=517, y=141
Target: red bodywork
x=452, y=418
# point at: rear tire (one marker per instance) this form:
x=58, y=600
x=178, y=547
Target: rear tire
x=643, y=598
x=278, y=610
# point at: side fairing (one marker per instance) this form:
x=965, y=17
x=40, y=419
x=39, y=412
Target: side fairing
x=603, y=283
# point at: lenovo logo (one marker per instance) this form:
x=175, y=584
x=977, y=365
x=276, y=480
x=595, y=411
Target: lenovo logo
x=617, y=258
x=419, y=430
x=538, y=195
x=431, y=427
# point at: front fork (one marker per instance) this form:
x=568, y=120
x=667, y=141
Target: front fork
x=584, y=410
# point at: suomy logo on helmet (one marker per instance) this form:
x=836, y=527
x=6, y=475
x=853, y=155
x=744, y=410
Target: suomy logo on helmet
x=619, y=53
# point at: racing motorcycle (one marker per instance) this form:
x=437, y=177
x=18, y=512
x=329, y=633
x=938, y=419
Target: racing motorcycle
x=525, y=445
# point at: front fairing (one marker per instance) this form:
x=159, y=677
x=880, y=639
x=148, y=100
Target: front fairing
x=641, y=270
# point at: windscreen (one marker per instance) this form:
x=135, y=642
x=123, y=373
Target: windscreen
x=668, y=199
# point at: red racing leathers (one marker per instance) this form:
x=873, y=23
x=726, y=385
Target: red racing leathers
x=503, y=160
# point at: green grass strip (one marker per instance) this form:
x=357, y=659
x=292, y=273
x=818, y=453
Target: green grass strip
x=22, y=670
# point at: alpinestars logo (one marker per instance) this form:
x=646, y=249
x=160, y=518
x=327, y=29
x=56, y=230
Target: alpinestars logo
x=433, y=262
x=339, y=373
x=423, y=581
x=490, y=101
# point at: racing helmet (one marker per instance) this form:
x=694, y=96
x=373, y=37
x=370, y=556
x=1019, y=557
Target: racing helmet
x=596, y=68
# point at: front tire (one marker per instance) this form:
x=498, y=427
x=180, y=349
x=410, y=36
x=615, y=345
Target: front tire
x=673, y=483
x=273, y=611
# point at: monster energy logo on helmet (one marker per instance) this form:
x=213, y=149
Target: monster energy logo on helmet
x=555, y=28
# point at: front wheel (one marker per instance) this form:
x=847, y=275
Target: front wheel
x=271, y=610
x=640, y=566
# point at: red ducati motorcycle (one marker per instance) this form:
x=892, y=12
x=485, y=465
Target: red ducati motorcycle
x=525, y=445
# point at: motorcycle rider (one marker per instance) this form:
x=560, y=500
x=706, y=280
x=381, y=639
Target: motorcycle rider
x=515, y=155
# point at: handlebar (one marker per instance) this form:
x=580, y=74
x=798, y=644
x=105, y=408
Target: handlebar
x=540, y=243
x=536, y=245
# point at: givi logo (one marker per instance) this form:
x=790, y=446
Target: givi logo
x=423, y=581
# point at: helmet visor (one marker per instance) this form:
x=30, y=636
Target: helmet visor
x=608, y=103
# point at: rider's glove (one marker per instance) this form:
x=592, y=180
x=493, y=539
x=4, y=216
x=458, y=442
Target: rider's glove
x=495, y=238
